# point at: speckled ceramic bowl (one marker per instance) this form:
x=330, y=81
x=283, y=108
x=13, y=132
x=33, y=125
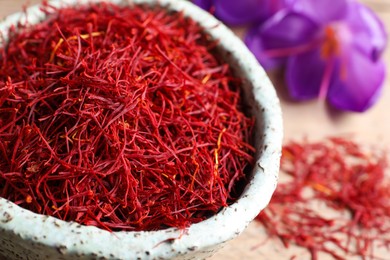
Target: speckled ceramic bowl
x=26, y=235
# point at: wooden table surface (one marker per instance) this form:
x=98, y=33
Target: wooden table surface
x=312, y=119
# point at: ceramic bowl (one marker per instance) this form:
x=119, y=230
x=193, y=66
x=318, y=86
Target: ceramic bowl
x=26, y=235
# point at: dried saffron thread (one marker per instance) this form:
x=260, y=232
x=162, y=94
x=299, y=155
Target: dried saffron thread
x=122, y=118
x=336, y=200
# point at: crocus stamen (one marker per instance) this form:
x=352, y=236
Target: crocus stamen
x=330, y=46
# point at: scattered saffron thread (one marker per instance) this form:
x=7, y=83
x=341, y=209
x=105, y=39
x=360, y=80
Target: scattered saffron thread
x=335, y=201
x=122, y=118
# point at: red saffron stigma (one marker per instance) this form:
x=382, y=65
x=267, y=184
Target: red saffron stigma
x=334, y=199
x=330, y=46
x=125, y=118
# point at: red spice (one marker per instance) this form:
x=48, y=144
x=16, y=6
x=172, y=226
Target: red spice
x=122, y=118
x=336, y=200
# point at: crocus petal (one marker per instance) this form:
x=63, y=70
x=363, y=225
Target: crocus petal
x=235, y=12
x=204, y=4
x=284, y=34
x=357, y=83
x=323, y=11
x=255, y=43
x=304, y=75
x=240, y=12
x=288, y=29
x=367, y=29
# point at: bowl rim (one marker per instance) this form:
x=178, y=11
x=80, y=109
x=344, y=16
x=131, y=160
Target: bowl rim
x=168, y=243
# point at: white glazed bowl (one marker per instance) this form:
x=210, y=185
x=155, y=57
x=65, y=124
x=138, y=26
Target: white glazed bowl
x=26, y=235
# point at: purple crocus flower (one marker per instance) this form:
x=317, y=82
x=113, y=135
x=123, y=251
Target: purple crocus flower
x=240, y=12
x=328, y=50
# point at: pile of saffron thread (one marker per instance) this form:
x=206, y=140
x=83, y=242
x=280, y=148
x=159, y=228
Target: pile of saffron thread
x=350, y=181
x=123, y=118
